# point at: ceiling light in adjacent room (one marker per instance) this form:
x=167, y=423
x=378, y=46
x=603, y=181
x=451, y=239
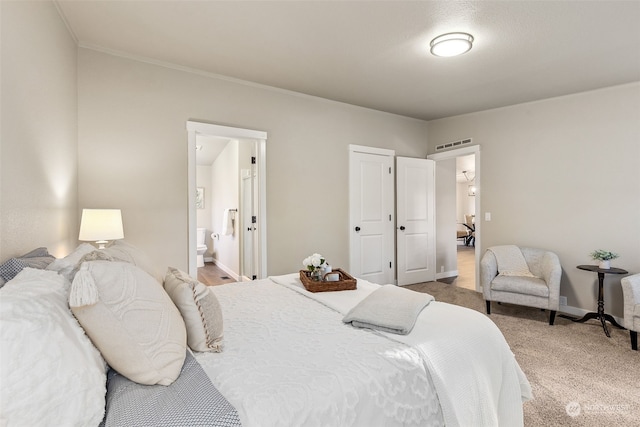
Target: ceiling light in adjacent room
x=451, y=44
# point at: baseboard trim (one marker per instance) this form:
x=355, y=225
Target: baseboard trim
x=227, y=270
x=446, y=274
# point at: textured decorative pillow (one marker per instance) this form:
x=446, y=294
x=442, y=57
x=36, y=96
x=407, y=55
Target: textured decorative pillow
x=96, y=255
x=67, y=265
x=200, y=310
x=50, y=372
x=131, y=319
x=37, y=258
x=121, y=250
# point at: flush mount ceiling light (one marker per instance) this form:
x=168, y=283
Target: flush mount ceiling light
x=451, y=44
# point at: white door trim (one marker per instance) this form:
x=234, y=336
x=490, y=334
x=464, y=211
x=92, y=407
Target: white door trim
x=199, y=128
x=371, y=150
x=451, y=154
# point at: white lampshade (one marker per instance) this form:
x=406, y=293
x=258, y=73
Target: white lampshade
x=101, y=225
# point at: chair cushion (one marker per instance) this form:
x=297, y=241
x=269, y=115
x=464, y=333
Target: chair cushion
x=520, y=285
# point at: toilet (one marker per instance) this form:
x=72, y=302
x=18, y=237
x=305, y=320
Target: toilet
x=202, y=247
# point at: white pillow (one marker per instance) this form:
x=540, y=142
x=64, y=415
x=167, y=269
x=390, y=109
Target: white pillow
x=50, y=371
x=67, y=265
x=200, y=310
x=131, y=320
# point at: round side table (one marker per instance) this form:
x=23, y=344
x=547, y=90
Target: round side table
x=600, y=314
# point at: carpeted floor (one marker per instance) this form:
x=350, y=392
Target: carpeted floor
x=579, y=376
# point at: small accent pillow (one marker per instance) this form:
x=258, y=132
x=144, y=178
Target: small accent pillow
x=131, y=319
x=50, y=372
x=37, y=258
x=200, y=310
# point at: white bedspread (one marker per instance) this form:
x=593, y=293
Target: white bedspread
x=289, y=361
x=478, y=380
x=285, y=363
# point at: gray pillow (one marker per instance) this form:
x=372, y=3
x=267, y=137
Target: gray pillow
x=38, y=258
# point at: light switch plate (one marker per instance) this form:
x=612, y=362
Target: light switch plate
x=487, y=216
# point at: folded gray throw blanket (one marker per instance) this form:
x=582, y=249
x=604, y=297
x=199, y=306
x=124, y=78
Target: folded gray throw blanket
x=390, y=309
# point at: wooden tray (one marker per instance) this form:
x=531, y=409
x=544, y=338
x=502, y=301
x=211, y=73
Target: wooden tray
x=346, y=282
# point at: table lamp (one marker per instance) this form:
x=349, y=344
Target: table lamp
x=101, y=225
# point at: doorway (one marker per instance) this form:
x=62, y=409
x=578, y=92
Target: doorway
x=256, y=162
x=455, y=256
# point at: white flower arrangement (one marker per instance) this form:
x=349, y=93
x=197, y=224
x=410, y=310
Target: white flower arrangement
x=601, y=255
x=314, y=262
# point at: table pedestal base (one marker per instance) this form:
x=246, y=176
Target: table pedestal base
x=602, y=317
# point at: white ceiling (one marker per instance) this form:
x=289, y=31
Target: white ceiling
x=376, y=53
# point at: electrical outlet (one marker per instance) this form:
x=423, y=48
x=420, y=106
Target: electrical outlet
x=563, y=300
x=442, y=269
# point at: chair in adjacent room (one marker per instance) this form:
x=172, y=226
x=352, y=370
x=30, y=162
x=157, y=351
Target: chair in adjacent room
x=462, y=234
x=470, y=224
x=631, y=296
x=540, y=289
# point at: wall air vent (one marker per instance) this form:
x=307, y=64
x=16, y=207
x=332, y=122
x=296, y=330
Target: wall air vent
x=454, y=144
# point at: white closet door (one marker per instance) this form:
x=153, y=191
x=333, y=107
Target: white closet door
x=415, y=215
x=371, y=195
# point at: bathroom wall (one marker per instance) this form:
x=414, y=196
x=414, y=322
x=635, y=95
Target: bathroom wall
x=224, y=184
x=203, y=216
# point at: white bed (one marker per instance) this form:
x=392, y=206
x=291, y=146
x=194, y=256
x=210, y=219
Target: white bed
x=287, y=359
x=290, y=360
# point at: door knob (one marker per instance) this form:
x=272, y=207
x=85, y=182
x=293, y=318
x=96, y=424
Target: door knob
x=357, y=229
x=402, y=228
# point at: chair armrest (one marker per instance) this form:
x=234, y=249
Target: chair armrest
x=552, y=275
x=631, y=296
x=488, y=272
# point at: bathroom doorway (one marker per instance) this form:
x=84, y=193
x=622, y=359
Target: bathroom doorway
x=219, y=157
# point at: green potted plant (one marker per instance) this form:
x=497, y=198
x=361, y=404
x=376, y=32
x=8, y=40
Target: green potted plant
x=604, y=258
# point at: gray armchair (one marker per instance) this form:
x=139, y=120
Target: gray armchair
x=542, y=291
x=631, y=294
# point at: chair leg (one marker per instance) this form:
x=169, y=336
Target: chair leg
x=552, y=317
x=488, y=307
x=634, y=340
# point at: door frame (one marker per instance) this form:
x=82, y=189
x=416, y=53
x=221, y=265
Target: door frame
x=199, y=128
x=465, y=151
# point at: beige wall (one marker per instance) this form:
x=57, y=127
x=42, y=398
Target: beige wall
x=561, y=174
x=38, y=150
x=132, y=154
